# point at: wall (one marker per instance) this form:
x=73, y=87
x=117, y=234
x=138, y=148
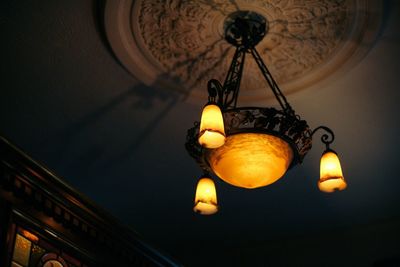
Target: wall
x=376, y=244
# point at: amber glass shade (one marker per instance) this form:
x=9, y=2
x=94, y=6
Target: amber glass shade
x=212, y=133
x=251, y=160
x=205, y=201
x=331, y=176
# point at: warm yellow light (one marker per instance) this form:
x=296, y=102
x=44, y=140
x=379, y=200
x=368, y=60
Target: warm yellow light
x=331, y=176
x=251, y=160
x=212, y=133
x=30, y=236
x=205, y=201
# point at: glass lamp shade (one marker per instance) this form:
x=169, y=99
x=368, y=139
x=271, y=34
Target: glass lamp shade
x=212, y=133
x=205, y=201
x=251, y=160
x=331, y=176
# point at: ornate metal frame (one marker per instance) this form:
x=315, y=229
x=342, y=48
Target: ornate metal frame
x=271, y=121
x=244, y=29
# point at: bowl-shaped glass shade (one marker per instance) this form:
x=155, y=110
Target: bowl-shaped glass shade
x=251, y=160
x=205, y=201
x=212, y=132
x=331, y=176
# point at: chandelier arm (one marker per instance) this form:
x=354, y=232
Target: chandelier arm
x=273, y=85
x=215, y=92
x=327, y=138
x=233, y=78
x=239, y=78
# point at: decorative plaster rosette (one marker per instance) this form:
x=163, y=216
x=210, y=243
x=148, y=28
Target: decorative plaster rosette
x=180, y=45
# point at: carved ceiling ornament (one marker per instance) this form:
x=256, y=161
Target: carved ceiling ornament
x=180, y=45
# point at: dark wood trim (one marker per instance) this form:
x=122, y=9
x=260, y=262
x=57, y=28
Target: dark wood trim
x=4, y=233
x=40, y=197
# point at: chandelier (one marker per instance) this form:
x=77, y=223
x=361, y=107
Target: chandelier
x=251, y=147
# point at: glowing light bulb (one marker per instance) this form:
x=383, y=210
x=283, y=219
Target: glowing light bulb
x=212, y=133
x=205, y=201
x=331, y=176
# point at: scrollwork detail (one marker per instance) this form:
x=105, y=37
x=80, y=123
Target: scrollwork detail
x=182, y=36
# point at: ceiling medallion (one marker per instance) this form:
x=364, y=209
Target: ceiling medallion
x=251, y=147
x=180, y=45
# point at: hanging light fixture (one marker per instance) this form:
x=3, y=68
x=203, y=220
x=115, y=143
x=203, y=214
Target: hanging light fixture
x=212, y=132
x=252, y=147
x=205, y=201
x=331, y=176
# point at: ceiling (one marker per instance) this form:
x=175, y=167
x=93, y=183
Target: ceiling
x=69, y=103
